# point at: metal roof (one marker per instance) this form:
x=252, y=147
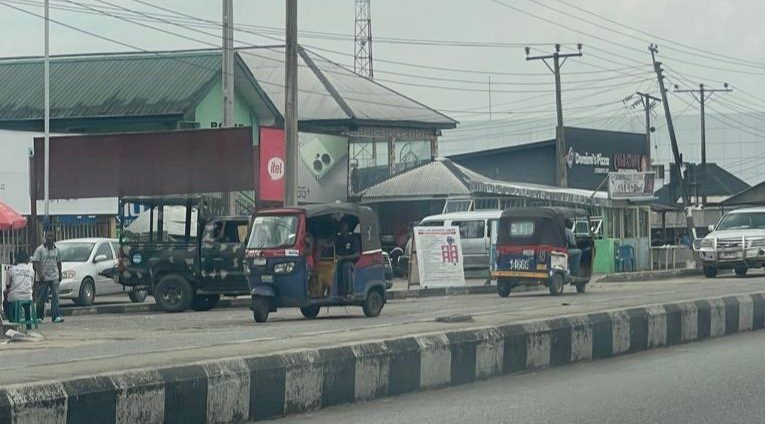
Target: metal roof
x=328, y=91
x=444, y=178
x=119, y=85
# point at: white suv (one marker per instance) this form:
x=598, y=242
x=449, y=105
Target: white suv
x=737, y=242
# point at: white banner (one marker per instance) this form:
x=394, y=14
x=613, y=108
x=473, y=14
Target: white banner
x=439, y=256
x=630, y=185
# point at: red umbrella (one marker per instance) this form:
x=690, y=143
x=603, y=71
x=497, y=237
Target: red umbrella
x=10, y=219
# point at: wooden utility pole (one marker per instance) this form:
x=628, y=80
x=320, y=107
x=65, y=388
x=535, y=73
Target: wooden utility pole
x=673, y=140
x=704, y=94
x=560, y=138
x=291, y=107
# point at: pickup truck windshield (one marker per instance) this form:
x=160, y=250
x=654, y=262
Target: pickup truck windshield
x=273, y=231
x=742, y=221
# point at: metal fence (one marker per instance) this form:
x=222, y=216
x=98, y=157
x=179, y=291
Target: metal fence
x=64, y=227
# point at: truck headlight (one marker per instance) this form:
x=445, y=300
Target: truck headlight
x=284, y=268
x=707, y=243
x=69, y=274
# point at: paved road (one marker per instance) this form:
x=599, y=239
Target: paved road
x=101, y=343
x=718, y=381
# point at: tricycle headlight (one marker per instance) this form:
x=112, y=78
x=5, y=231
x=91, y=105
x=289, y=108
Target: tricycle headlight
x=69, y=274
x=284, y=268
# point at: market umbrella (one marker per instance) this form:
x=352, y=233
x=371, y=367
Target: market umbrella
x=10, y=219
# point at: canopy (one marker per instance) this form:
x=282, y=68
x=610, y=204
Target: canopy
x=546, y=225
x=10, y=219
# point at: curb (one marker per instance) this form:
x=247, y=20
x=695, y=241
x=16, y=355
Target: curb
x=262, y=387
x=623, y=277
x=127, y=308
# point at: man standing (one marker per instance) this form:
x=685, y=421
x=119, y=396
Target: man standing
x=574, y=253
x=47, y=264
x=347, y=252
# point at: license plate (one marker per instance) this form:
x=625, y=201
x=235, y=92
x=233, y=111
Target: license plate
x=729, y=256
x=267, y=278
x=259, y=261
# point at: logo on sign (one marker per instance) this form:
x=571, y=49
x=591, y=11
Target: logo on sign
x=449, y=252
x=275, y=168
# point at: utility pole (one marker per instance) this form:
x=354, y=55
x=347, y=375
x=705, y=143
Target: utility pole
x=647, y=102
x=673, y=140
x=291, y=106
x=46, y=143
x=489, y=97
x=704, y=94
x=228, y=63
x=560, y=138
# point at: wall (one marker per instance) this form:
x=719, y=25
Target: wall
x=209, y=112
x=592, y=154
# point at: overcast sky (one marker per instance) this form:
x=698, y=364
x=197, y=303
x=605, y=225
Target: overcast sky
x=612, y=67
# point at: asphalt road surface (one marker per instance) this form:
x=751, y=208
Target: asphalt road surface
x=110, y=342
x=714, y=382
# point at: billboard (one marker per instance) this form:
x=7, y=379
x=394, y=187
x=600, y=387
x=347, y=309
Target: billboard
x=439, y=256
x=630, y=185
x=322, y=166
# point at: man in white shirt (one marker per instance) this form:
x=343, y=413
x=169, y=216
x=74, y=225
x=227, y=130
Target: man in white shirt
x=18, y=284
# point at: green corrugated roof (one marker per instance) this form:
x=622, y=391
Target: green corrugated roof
x=130, y=84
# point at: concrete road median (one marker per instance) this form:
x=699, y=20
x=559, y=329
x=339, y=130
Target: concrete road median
x=245, y=388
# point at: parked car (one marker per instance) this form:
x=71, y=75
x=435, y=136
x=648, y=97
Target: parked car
x=82, y=262
x=475, y=234
x=737, y=242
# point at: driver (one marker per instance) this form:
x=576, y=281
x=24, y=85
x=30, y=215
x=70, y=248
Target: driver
x=574, y=253
x=347, y=251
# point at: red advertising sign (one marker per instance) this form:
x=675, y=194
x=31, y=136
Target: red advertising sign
x=272, y=164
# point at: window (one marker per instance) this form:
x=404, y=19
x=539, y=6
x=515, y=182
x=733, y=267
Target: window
x=116, y=247
x=470, y=229
x=596, y=226
x=105, y=249
x=457, y=206
x=581, y=228
x=431, y=224
x=522, y=229
x=486, y=204
x=232, y=232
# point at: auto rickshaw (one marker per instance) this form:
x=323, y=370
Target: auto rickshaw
x=314, y=256
x=533, y=247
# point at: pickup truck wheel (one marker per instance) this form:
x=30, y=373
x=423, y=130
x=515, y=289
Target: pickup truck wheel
x=556, y=284
x=710, y=271
x=204, y=302
x=741, y=271
x=137, y=296
x=87, y=293
x=310, y=311
x=260, y=309
x=174, y=293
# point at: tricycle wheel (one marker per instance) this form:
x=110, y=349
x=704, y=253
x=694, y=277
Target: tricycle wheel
x=710, y=271
x=174, y=293
x=260, y=309
x=503, y=287
x=556, y=284
x=311, y=311
x=581, y=287
x=205, y=302
x=374, y=303
x=741, y=271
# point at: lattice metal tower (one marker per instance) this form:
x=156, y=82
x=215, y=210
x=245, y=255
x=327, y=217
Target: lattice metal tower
x=362, y=52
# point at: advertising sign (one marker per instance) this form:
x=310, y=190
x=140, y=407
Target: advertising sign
x=322, y=166
x=630, y=185
x=272, y=164
x=439, y=256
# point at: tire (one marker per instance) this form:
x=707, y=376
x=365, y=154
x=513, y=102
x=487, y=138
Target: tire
x=710, y=271
x=174, y=293
x=556, y=284
x=204, y=302
x=373, y=303
x=260, y=309
x=503, y=288
x=310, y=312
x=741, y=271
x=581, y=287
x=87, y=293
x=138, y=296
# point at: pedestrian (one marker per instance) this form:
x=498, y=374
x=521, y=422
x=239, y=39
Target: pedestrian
x=47, y=264
x=18, y=285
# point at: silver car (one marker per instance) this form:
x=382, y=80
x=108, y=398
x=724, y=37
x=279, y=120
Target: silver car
x=82, y=262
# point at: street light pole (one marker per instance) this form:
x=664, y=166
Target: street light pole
x=46, y=62
x=291, y=107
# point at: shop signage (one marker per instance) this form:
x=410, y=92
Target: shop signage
x=600, y=163
x=272, y=164
x=630, y=185
x=439, y=256
x=633, y=161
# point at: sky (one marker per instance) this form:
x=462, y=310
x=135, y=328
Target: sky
x=710, y=41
